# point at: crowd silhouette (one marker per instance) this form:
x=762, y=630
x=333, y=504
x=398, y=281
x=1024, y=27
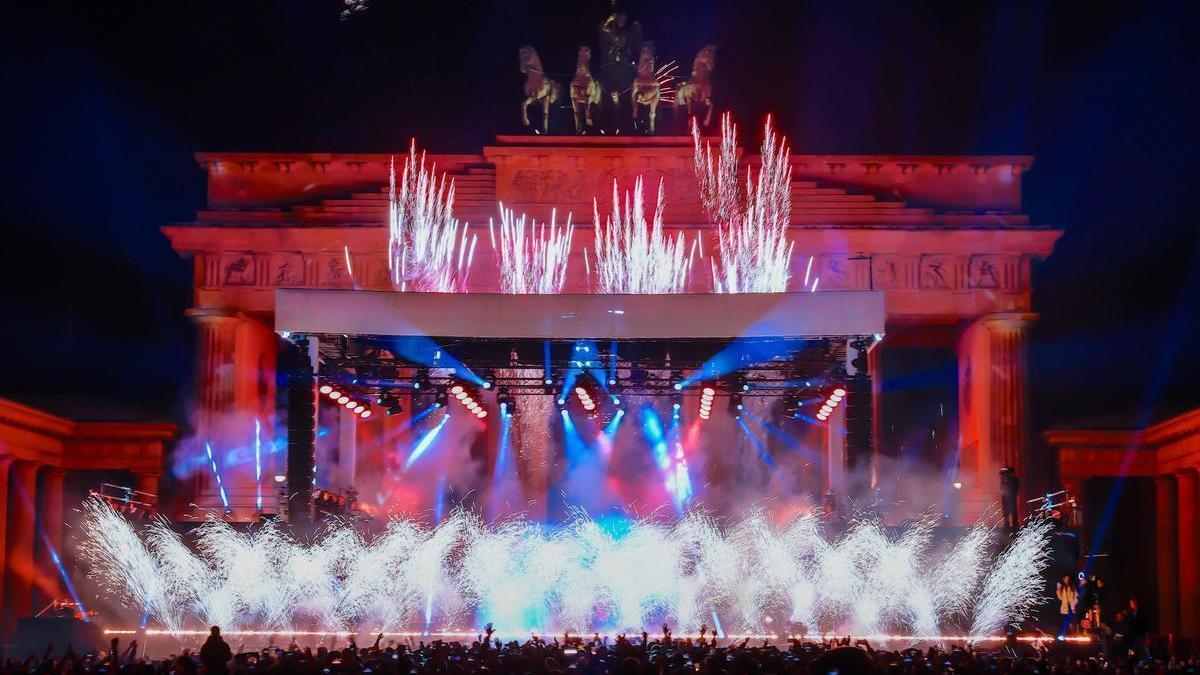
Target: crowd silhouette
x=662, y=654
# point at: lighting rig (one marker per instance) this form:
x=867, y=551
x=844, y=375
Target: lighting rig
x=385, y=370
x=343, y=398
x=469, y=400
x=834, y=399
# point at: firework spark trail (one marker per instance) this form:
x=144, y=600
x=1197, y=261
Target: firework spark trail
x=429, y=250
x=532, y=260
x=580, y=576
x=956, y=578
x=753, y=251
x=1014, y=583
x=633, y=256
x=665, y=75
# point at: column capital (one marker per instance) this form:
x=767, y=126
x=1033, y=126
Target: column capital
x=1009, y=320
x=53, y=471
x=26, y=465
x=213, y=315
x=1184, y=473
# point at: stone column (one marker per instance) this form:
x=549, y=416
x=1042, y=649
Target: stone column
x=993, y=410
x=1187, y=485
x=5, y=464
x=1167, y=542
x=20, y=570
x=147, y=482
x=216, y=381
x=49, y=545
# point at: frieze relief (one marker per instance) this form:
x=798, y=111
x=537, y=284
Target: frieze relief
x=287, y=270
x=843, y=272
x=836, y=271
x=376, y=275
x=237, y=269
x=332, y=271
x=994, y=272
x=939, y=273
x=893, y=272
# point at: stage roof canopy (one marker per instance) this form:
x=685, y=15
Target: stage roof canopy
x=567, y=317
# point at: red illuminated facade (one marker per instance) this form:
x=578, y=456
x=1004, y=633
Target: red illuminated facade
x=48, y=464
x=1157, y=472
x=943, y=238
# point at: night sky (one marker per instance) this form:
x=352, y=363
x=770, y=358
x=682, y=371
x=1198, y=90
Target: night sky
x=107, y=101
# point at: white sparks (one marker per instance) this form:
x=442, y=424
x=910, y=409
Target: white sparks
x=633, y=256
x=429, y=250
x=529, y=576
x=532, y=259
x=1013, y=586
x=754, y=254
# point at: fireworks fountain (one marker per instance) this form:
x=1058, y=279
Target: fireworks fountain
x=752, y=576
x=429, y=250
x=531, y=259
x=753, y=252
x=633, y=256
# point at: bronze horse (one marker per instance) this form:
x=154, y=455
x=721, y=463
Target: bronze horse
x=585, y=90
x=538, y=87
x=646, y=87
x=698, y=88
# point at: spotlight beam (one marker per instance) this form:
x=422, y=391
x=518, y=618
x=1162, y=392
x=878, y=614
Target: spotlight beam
x=426, y=440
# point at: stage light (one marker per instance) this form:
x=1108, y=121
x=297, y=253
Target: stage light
x=612, y=381
x=676, y=406
x=350, y=405
x=706, y=399
x=279, y=478
x=365, y=414
x=487, y=385
x=839, y=392
x=359, y=409
x=616, y=400
x=581, y=391
x=678, y=386
x=456, y=390
x=481, y=414
x=343, y=399
x=561, y=402
x=957, y=485
x=325, y=389
x=548, y=381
